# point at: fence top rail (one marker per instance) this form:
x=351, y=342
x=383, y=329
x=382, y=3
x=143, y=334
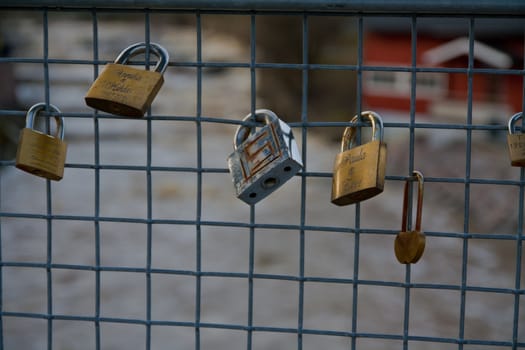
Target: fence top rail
x=451, y=7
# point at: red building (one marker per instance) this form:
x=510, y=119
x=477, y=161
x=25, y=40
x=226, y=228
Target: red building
x=497, y=90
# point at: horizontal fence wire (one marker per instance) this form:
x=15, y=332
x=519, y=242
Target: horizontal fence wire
x=355, y=335
x=464, y=7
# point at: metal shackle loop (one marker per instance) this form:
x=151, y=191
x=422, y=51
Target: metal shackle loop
x=32, y=113
x=404, y=221
x=138, y=48
x=243, y=131
x=350, y=132
x=512, y=122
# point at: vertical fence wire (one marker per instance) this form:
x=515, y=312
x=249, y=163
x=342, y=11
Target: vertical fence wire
x=1, y=275
x=149, y=194
x=353, y=334
x=198, y=214
x=1, y=272
x=519, y=240
x=466, y=212
x=49, y=220
x=413, y=51
x=304, y=153
x=96, y=209
x=251, y=259
x=355, y=275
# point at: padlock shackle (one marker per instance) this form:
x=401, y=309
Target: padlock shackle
x=138, y=48
x=265, y=116
x=374, y=119
x=512, y=122
x=33, y=112
x=404, y=221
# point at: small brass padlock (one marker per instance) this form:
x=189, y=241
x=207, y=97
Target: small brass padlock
x=359, y=172
x=410, y=245
x=128, y=91
x=42, y=154
x=516, y=143
x=263, y=161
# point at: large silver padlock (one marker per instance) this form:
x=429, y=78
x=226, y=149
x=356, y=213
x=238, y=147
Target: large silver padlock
x=265, y=160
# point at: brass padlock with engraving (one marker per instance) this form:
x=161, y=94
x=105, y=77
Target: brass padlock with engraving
x=410, y=244
x=516, y=142
x=359, y=171
x=123, y=90
x=265, y=160
x=42, y=154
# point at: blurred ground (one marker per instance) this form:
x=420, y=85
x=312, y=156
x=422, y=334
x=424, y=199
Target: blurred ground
x=124, y=194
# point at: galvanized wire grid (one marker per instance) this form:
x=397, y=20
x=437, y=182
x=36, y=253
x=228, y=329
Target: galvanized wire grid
x=250, y=276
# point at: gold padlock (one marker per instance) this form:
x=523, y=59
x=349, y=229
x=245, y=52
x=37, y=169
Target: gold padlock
x=410, y=245
x=516, y=142
x=42, y=154
x=359, y=172
x=128, y=91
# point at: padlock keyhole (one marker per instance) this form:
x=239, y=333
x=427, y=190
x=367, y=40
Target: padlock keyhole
x=269, y=182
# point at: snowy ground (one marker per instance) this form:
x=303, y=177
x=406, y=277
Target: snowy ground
x=224, y=300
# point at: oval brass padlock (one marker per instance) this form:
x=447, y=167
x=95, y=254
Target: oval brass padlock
x=516, y=142
x=359, y=172
x=410, y=244
x=265, y=160
x=123, y=90
x=38, y=153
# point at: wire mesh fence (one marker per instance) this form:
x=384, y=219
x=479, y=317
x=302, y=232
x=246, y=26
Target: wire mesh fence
x=143, y=245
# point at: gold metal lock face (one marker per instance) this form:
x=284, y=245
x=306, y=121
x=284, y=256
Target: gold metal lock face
x=410, y=244
x=127, y=91
x=359, y=172
x=42, y=154
x=516, y=142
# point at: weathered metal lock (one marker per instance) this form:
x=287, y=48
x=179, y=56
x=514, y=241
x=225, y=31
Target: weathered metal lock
x=359, y=172
x=410, y=245
x=516, y=143
x=265, y=160
x=42, y=154
x=128, y=91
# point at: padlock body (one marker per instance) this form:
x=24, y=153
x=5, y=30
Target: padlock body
x=409, y=246
x=124, y=90
x=359, y=173
x=516, y=147
x=41, y=154
x=264, y=162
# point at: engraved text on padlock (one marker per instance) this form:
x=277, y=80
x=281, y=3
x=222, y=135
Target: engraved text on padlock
x=359, y=172
x=516, y=142
x=123, y=90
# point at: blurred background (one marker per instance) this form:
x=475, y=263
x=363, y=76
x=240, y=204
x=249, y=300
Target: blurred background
x=123, y=194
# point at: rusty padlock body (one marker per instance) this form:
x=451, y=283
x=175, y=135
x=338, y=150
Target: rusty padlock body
x=516, y=142
x=265, y=160
x=42, y=154
x=127, y=91
x=359, y=172
x=409, y=244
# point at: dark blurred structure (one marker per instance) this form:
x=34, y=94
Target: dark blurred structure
x=387, y=42
x=279, y=39
x=9, y=126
